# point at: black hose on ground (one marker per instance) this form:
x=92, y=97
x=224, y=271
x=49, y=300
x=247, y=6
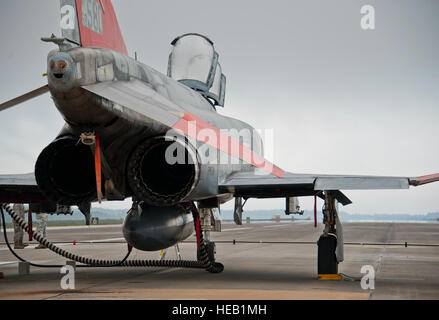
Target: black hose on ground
x=43, y=265
x=13, y=251
x=204, y=264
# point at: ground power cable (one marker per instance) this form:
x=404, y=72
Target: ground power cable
x=41, y=265
x=204, y=262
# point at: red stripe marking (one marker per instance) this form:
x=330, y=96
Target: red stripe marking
x=197, y=230
x=315, y=211
x=191, y=125
x=98, y=169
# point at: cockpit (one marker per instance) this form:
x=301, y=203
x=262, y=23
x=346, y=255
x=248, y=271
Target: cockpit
x=194, y=63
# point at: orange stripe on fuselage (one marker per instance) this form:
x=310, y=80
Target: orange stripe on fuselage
x=191, y=126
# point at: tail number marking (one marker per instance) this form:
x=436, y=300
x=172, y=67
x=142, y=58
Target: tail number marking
x=92, y=15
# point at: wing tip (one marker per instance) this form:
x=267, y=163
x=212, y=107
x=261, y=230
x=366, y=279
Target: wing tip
x=418, y=181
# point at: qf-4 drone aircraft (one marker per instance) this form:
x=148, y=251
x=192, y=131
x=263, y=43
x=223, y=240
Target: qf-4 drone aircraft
x=131, y=131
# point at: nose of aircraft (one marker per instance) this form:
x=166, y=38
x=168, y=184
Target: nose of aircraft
x=60, y=70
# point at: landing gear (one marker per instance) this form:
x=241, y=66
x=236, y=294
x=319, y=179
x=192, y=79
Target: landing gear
x=330, y=244
x=210, y=220
x=207, y=220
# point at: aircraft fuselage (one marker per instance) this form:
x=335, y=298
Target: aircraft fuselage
x=122, y=130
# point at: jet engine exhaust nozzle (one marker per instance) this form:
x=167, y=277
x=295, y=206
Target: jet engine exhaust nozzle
x=65, y=172
x=162, y=171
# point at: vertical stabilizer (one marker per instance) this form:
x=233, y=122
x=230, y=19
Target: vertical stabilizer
x=69, y=21
x=92, y=23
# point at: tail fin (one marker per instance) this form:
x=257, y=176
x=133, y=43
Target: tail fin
x=92, y=23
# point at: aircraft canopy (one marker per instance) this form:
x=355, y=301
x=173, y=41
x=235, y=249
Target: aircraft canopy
x=194, y=62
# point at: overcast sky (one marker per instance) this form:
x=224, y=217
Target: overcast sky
x=341, y=100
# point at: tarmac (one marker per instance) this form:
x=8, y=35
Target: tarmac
x=267, y=261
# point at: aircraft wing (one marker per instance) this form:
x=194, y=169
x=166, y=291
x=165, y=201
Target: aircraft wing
x=136, y=100
x=23, y=188
x=27, y=96
x=132, y=100
x=251, y=185
x=20, y=188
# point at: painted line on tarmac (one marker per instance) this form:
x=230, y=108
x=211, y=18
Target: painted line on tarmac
x=101, y=240
x=78, y=227
x=399, y=279
x=28, y=247
x=70, y=243
x=278, y=225
x=167, y=270
x=5, y=263
x=86, y=227
x=234, y=229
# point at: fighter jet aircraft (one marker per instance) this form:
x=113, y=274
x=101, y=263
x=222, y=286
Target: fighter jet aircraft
x=131, y=131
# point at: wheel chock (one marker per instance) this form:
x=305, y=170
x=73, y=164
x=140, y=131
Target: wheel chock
x=330, y=277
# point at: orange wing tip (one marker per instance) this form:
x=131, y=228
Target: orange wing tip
x=418, y=181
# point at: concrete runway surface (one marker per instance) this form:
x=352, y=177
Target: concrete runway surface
x=281, y=271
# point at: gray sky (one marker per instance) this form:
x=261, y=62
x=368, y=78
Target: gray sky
x=341, y=100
